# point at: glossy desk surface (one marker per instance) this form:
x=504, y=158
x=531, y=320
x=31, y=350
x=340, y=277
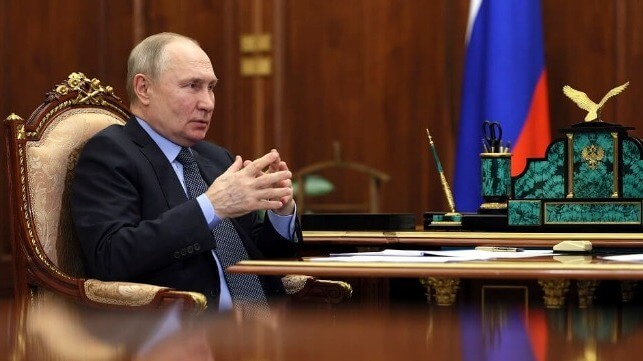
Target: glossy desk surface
x=496, y=332
x=458, y=238
x=565, y=267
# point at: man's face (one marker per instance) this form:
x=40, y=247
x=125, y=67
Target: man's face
x=181, y=98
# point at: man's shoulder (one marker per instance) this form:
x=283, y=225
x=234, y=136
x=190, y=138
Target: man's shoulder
x=113, y=138
x=111, y=131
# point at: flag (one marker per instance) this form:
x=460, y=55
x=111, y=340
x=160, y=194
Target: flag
x=505, y=80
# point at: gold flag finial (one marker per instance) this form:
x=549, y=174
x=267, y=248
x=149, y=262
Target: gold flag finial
x=584, y=102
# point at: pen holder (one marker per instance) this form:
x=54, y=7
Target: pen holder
x=495, y=175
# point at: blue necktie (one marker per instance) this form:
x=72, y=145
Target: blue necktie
x=245, y=289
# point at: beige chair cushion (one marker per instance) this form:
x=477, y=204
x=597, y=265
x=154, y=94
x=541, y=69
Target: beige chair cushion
x=50, y=166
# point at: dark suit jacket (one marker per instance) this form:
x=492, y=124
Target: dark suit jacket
x=135, y=223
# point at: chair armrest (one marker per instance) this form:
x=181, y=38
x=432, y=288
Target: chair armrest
x=132, y=295
x=310, y=289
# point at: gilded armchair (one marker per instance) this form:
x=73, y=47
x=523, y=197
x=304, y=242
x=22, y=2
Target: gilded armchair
x=42, y=153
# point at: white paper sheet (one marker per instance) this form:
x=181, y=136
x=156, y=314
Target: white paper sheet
x=625, y=257
x=489, y=254
x=394, y=259
x=465, y=254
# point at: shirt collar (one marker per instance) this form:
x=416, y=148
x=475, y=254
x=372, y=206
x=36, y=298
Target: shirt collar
x=169, y=149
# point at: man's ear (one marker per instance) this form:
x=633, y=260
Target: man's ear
x=142, y=88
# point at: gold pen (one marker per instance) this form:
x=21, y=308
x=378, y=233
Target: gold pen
x=443, y=180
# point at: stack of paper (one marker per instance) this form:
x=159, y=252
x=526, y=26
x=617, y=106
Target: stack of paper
x=419, y=256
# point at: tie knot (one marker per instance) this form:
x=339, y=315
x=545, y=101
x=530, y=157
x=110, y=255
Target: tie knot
x=185, y=157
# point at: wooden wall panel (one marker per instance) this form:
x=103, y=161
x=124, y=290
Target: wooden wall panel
x=629, y=51
x=580, y=52
x=370, y=76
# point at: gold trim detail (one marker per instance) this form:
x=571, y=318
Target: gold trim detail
x=615, y=165
x=570, y=165
x=444, y=290
x=586, y=289
x=90, y=92
x=493, y=205
x=555, y=292
x=593, y=155
x=14, y=117
x=20, y=132
x=20, y=127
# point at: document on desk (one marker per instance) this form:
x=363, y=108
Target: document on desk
x=392, y=259
x=396, y=255
x=638, y=257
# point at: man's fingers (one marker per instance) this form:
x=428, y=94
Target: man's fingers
x=235, y=166
x=268, y=179
x=257, y=166
x=275, y=166
x=266, y=204
x=274, y=194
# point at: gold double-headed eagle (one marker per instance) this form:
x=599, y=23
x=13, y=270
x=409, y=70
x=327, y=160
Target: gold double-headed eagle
x=584, y=102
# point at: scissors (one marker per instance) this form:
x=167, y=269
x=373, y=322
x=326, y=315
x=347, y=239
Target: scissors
x=492, y=132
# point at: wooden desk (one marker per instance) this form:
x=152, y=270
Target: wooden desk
x=322, y=242
x=440, y=238
x=553, y=273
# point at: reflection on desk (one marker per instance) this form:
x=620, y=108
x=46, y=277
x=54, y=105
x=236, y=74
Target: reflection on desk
x=494, y=332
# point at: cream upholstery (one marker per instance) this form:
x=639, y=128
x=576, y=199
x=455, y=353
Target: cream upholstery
x=50, y=167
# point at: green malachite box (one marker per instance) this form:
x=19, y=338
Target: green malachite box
x=495, y=170
x=591, y=177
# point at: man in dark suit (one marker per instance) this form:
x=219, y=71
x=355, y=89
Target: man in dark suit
x=136, y=209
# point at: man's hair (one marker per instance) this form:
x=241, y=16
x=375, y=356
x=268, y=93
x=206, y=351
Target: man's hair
x=148, y=58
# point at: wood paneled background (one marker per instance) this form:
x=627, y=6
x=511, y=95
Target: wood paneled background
x=369, y=74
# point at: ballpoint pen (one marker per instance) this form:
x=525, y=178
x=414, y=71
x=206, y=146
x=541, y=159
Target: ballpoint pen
x=498, y=249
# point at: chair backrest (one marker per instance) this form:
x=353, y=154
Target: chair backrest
x=42, y=154
x=354, y=172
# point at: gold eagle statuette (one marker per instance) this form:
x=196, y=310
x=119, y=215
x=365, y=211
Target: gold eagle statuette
x=584, y=102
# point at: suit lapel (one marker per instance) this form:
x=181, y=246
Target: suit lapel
x=209, y=170
x=168, y=182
